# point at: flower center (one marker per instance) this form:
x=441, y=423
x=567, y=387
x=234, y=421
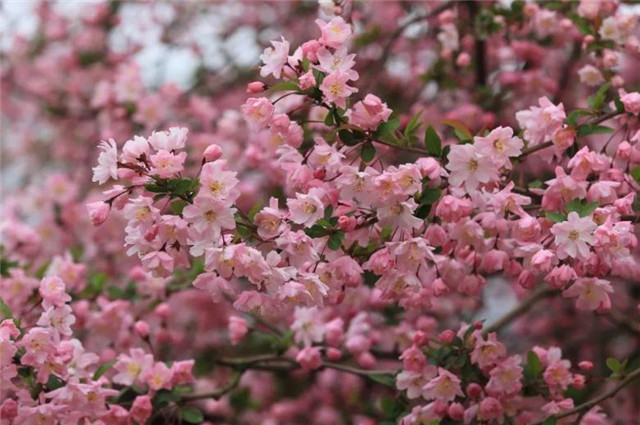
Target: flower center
x=574, y=235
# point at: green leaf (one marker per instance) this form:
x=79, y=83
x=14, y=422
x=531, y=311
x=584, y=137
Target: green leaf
x=5, y=310
x=103, y=369
x=432, y=142
x=316, y=231
x=191, y=415
x=462, y=136
x=368, y=152
x=347, y=138
x=572, y=118
x=6, y=265
x=597, y=101
x=254, y=210
x=383, y=378
x=328, y=120
x=430, y=195
x=335, y=240
x=285, y=86
x=588, y=208
x=635, y=173
x=177, y=206
x=533, y=364
x=555, y=217
x=328, y=212
x=42, y=270
x=54, y=383
x=388, y=127
x=614, y=365
x=459, y=129
x=412, y=126
x=587, y=129
x=385, y=233
x=573, y=206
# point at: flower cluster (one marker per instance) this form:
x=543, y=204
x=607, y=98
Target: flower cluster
x=311, y=246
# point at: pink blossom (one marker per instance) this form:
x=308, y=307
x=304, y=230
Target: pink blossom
x=335, y=89
x=258, y=112
x=274, y=58
x=369, y=112
x=237, y=329
x=98, y=212
x=107, y=163
x=469, y=167
x=591, y=293
x=141, y=408
x=500, y=144
x=631, y=102
x=309, y=358
x=335, y=33
x=574, y=237
x=165, y=164
x=445, y=387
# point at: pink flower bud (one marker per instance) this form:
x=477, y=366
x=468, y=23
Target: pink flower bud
x=474, y=390
x=624, y=150
x=163, y=310
x=333, y=354
x=447, y=336
x=631, y=102
x=420, y=338
x=238, y=329
x=256, y=87
x=141, y=409
x=366, y=360
x=212, y=153
x=456, y=411
x=310, y=50
x=578, y=381
x=439, y=287
x=98, y=212
x=320, y=173
x=463, y=60
x=142, y=328
x=309, y=358
x=9, y=410
x=585, y=365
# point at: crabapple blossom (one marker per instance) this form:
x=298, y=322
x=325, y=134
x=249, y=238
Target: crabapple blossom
x=410, y=220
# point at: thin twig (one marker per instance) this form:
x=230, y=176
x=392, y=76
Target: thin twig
x=519, y=310
x=589, y=404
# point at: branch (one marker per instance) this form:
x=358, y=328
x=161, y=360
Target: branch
x=403, y=148
x=519, y=310
x=217, y=393
x=589, y=404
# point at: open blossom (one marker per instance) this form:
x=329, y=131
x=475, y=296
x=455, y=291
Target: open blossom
x=469, y=167
x=274, y=58
x=369, y=112
x=335, y=33
x=591, y=293
x=335, y=89
x=499, y=144
x=306, y=209
x=541, y=122
x=209, y=214
x=590, y=75
x=218, y=182
x=131, y=367
x=631, y=102
x=574, y=236
x=445, y=387
x=166, y=164
x=258, y=112
x=107, y=163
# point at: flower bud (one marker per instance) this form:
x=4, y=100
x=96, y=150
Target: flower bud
x=212, y=153
x=141, y=328
x=256, y=87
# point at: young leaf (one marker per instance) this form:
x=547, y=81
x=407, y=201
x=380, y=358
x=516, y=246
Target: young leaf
x=368, y=152
x=432, y=142
x=383, y=378
x=335, y=240
x=103, y=369
x=533, y=364
x=555, y=217
x=191, y=415
x=614, y=365
x=635, y=173
x=254, y=210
